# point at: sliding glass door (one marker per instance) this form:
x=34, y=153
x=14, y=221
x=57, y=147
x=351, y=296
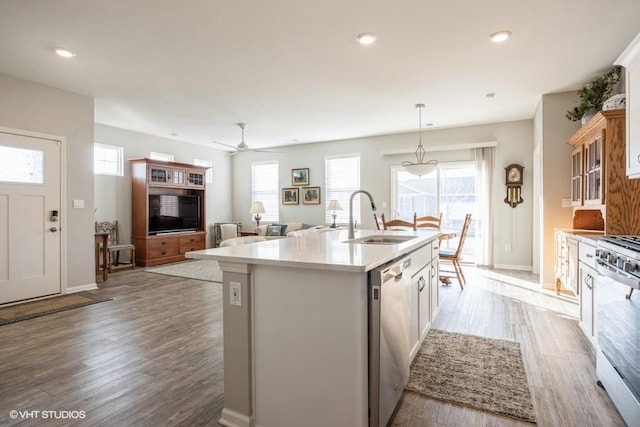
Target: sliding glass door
x=450, y=190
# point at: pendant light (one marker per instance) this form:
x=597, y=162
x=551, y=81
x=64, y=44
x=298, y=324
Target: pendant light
x=420, y=167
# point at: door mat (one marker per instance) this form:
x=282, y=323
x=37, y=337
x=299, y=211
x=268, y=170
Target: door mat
x=31, y=309
x=478, y=372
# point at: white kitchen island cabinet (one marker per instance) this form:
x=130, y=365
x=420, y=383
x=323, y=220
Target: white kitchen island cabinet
x=295, y=317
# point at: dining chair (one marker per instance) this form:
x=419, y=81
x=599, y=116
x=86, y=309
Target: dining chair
x=428, y=221
x=454, y=256
x=114, y=247
x=398, y=224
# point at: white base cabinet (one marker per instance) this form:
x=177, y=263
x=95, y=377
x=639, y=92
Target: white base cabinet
x=587, y=275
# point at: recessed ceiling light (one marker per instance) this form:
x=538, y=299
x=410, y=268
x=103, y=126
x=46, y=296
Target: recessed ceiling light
x=490, y=95
x=500, y=36
x=65, y=53
x=366, y=38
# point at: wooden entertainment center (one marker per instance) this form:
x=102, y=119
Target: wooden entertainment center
x=166, y=179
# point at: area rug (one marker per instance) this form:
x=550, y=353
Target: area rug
x=206, y=270
x=31, y=309
x=481, y=373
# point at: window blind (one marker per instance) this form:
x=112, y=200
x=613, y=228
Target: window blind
x=265, y=188
x=342, y=178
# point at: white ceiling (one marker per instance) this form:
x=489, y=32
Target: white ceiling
x=293, y=71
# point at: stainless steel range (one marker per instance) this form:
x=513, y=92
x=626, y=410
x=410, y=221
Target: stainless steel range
x=619, y=259
x=617, y=300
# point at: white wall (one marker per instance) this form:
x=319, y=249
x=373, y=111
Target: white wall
x=113, y=193
x=555, y=159
x=515, y=145
x=34, y=107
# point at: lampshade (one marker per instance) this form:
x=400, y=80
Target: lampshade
x=334, y=205
x=421, y=167
x=256, y=208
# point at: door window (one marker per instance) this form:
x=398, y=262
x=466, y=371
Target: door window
x=21, y=165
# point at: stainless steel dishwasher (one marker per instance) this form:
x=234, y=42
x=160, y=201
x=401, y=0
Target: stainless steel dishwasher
x=389, y=342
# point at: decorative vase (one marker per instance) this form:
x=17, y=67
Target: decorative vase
x=615, y=102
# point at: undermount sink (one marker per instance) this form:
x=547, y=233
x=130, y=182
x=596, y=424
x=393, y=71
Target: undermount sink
x=381, y=239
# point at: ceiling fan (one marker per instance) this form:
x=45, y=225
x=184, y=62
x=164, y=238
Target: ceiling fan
x=243, y=147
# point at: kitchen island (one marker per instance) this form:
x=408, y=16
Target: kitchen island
x=295, y=318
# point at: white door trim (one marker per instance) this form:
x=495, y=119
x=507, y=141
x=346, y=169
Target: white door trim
x=63, y=193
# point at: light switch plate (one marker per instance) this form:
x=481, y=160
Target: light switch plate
x=78, y=204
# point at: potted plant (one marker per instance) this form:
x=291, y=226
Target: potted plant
x=594, y=94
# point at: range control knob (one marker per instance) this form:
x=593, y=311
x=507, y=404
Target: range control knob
x=630, y=267
x=611, y=259
x=620, y=263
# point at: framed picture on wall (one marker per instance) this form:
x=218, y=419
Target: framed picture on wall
x=290, y=196
x=310, y=195
x=300, y=176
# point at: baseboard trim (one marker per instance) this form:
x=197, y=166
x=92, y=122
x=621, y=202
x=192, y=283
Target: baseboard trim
x=231, y=418
x=87, y=287
x=513, y=267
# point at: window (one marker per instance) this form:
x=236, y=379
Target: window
x=341, y=179
x=265, y=188
x=161, y=156
x=107, y=160
x=206, y=164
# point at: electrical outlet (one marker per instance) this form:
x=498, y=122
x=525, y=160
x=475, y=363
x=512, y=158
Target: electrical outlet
x=507, y=247
x=235, y=296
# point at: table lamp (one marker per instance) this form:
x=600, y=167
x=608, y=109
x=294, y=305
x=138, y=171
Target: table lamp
x=257, y=208
x=334, y=206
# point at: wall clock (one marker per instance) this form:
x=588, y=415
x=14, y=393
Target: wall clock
x=513, y=181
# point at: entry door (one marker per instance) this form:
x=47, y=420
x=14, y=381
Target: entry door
x=30, y=237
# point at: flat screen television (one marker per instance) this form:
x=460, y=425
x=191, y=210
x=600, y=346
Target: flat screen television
x=170, y=213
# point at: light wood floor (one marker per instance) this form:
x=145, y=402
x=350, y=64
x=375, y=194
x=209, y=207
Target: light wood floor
x=153, y=355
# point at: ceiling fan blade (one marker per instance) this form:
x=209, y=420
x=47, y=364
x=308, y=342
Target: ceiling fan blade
x=226, y=145
x=265, y=150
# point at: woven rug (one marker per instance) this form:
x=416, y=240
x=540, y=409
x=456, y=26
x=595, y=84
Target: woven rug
x=481, y=373
x=206, y=270
x=31, y=309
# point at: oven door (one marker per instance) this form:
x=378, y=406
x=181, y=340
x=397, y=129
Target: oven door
x=618, y=331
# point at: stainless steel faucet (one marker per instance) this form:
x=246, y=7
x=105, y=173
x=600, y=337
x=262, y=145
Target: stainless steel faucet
x=373, y=208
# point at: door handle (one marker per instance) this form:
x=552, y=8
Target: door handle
x=53, y=229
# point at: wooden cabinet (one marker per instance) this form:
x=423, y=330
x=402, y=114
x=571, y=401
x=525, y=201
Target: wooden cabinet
x=602, y=183
x=164, y=176
x=155, y=179
x=588, y=278
x=630, y=59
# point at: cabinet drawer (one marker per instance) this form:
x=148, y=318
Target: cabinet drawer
x=191, y=243
x=435, y=248
x=587, y=254
x=420, y=258
x=163, y=247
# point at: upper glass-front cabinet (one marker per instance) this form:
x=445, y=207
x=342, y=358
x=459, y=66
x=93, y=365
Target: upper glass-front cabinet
x=576, y=177
x=159, y=175
x=593, y=194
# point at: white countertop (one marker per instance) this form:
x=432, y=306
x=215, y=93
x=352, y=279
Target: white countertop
x=324, y=250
